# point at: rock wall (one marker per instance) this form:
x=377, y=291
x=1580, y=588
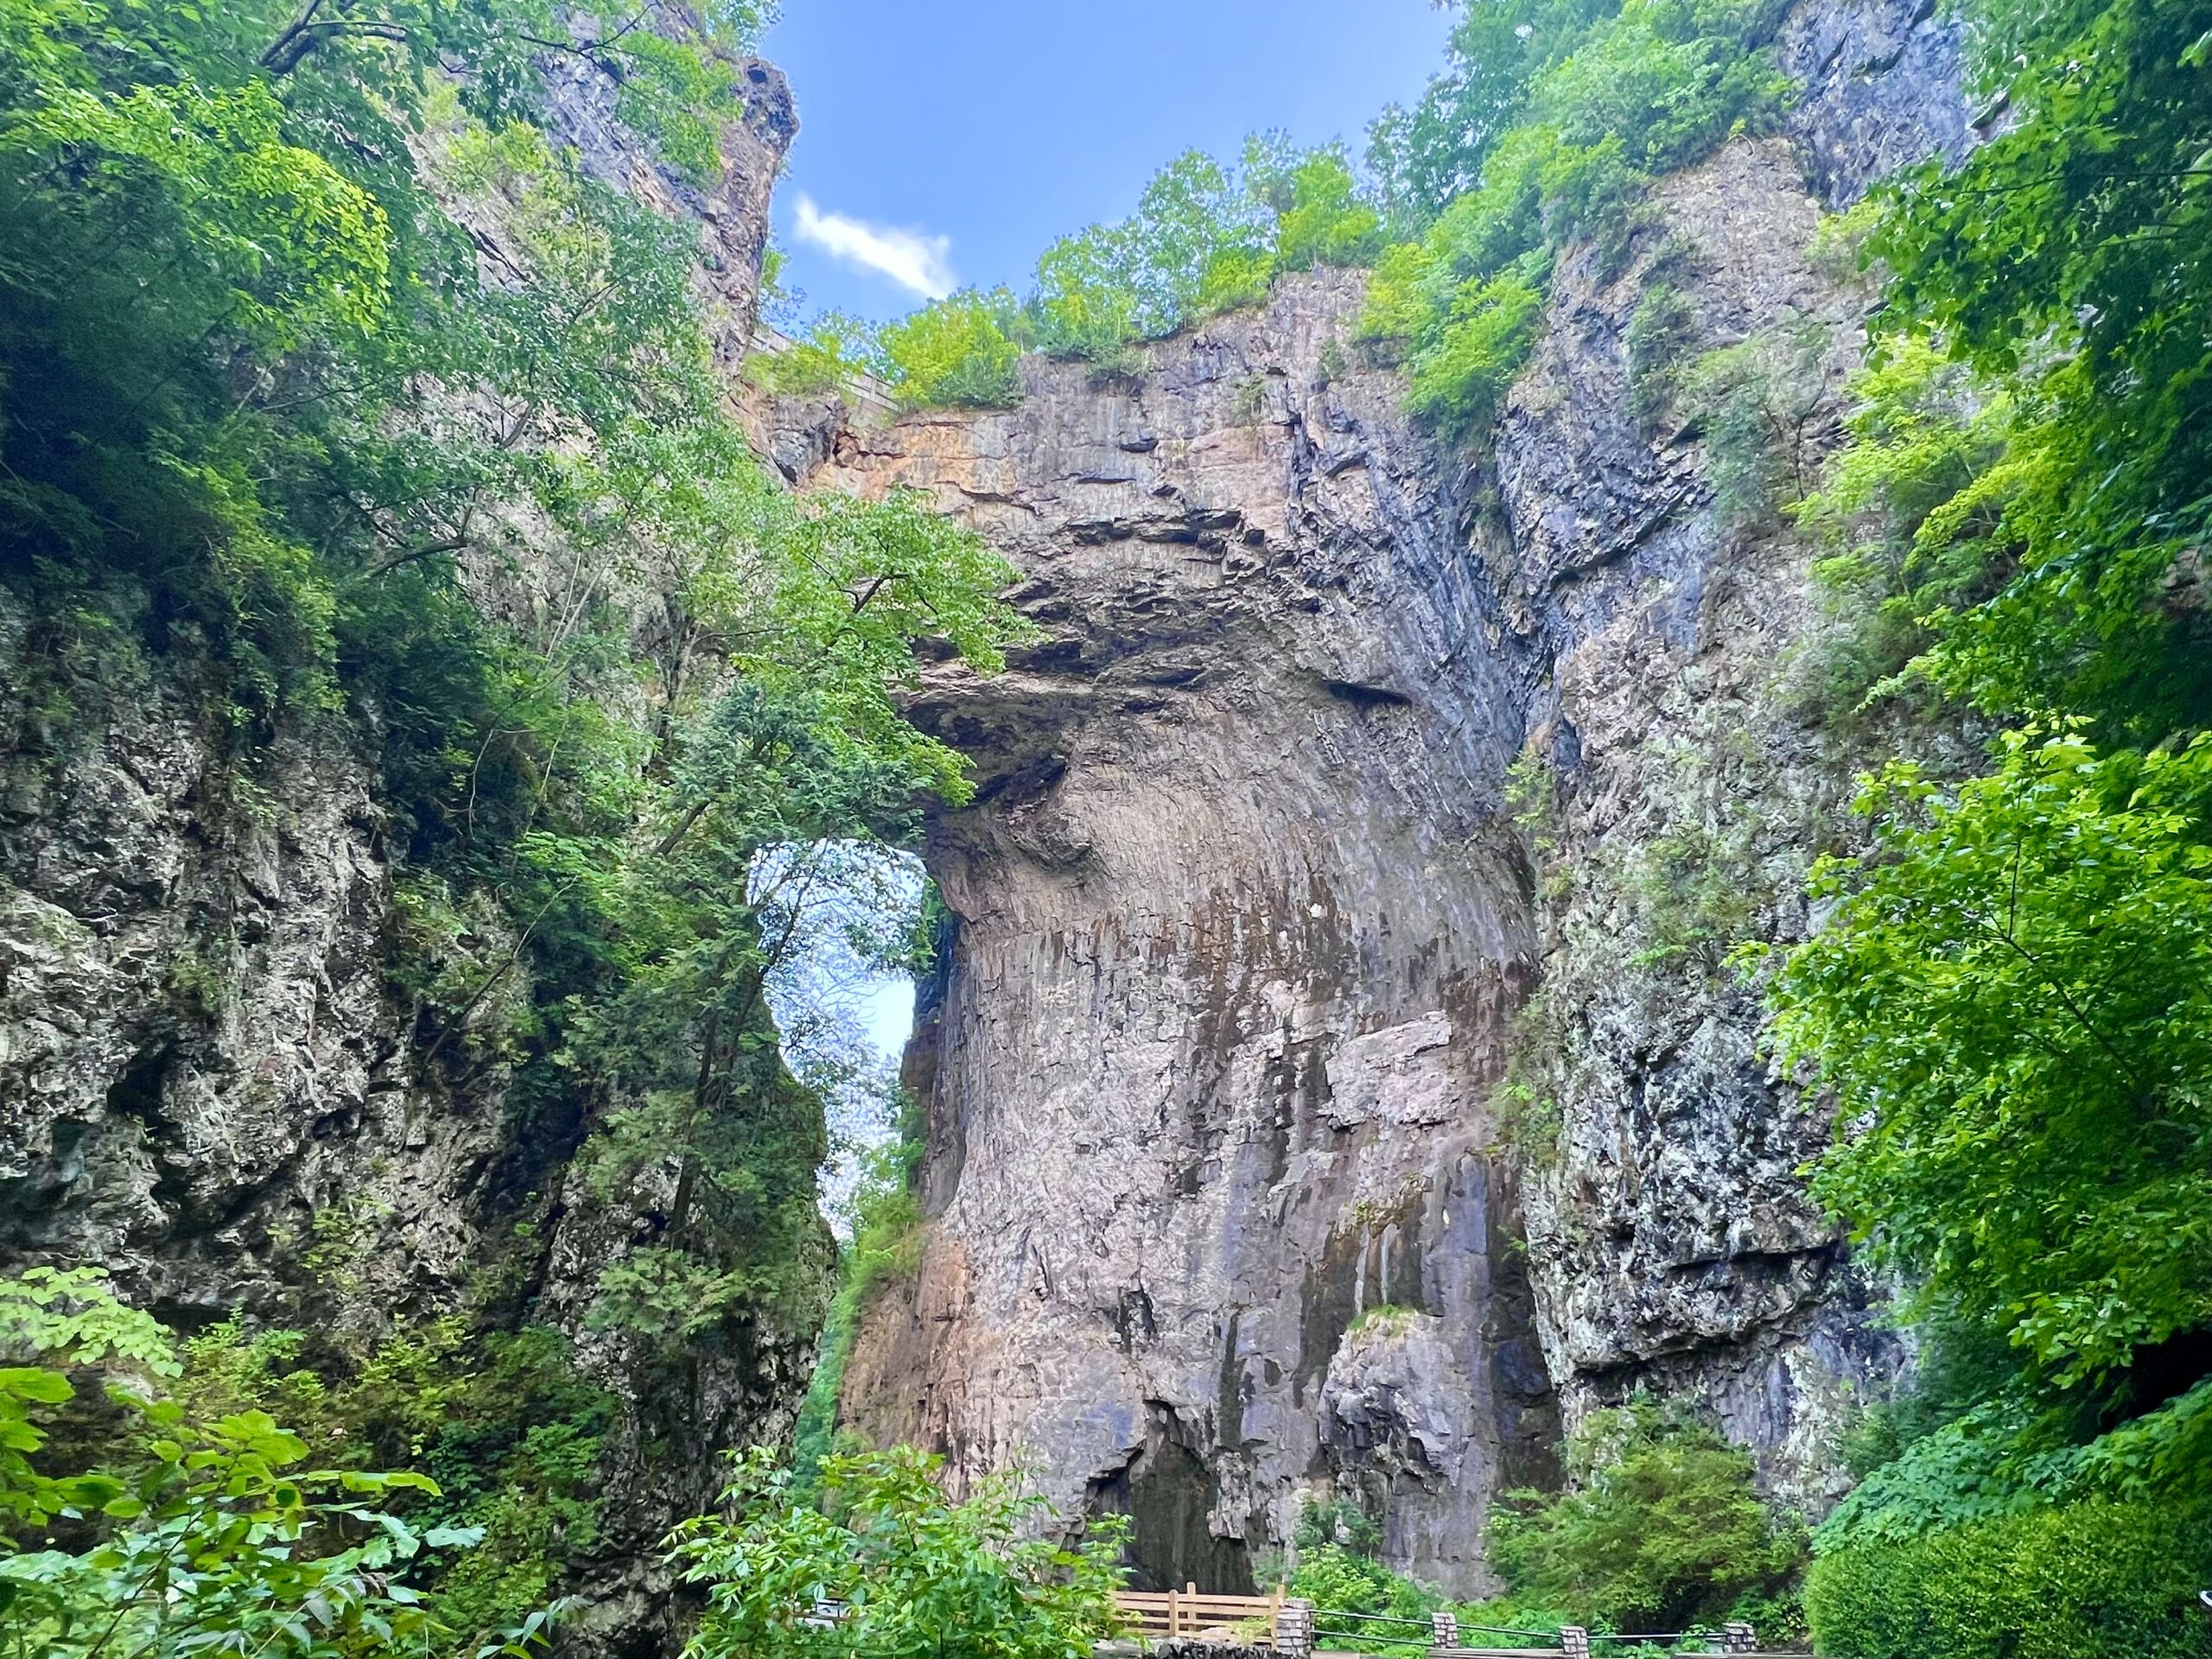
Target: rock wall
x=1240, y=923
x=1228, y=1207
x=210, y=1084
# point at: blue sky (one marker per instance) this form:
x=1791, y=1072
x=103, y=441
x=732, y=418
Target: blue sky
x=950, y=140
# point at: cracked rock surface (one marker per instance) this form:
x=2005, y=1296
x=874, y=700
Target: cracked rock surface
x=1227, y=1207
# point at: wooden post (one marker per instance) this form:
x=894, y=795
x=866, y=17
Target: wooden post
x=1574, y=1642
x=1173, y=1630
x=1294, y=1630
x=1191, y=1608
x=1444, y=1625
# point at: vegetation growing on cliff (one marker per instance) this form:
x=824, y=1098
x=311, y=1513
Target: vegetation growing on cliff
x=1550, y=119
x=346, y=417
x=340, y=400
x=2008, y=1001
x=1664, y=1530
x=212, y=1530
x=886, y=1245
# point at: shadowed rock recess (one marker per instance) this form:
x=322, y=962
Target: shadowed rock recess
x=1223, y=1211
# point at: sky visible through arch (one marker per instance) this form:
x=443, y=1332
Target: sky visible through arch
x=947, y=143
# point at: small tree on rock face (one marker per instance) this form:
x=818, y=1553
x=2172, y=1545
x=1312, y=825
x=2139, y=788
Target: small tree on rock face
x=917, y=1574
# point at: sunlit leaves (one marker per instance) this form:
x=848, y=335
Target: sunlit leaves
x=911, y=1571
x=2013, y=1006
x=1544, y=134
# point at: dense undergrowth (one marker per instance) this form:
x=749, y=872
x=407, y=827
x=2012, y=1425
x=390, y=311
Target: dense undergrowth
x=1663, y=1530
x=884, y=1222
x=213, y=1498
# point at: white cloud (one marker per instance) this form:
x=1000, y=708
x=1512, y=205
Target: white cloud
x=920, y=263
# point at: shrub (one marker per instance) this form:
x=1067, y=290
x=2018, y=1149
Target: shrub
x=1663, y=1527
x=2090, y=1578
x=1768, y=408
x=1649, y=89
x=1457, y=381
x=1660, y=337
x=913, y=1567
x=886, y=1248
x=1340, y=1579
x=208, y=1535
x=1319, y=216
x=836, y=350
x=956, y=353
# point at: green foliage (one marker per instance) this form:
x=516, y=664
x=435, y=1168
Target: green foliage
x=1662, y=1528
x=1345, y=1578
x=836, y=350
x=919, y=1574
x=271, y=435
x=1457, y=381
x=1896, y=555
x=2007, y=1001
x=209, y=1536
x=220, y=1543
x=956, y=353
x=1767, y=409
x=2006, y=1004
x=885, y=1221
x=1206, y=238
x=1553, y=115
x=1320, y=219
x=2061, y=263
x=1342, y=1526
x=1548, y=126
x=1427, y=157
x=68, y=1315
x=2051, y=1584
x=1661, y=337
x=505, y=1429
x=2010, y=1004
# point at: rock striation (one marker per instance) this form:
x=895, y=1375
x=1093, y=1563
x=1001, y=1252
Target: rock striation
x=1333, y=1087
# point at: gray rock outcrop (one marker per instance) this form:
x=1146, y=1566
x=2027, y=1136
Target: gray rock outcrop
x=1255, y=1174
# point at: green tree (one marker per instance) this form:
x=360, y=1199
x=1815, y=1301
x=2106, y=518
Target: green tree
x=209, y=1537
x=2013, y=1003
x=2062, y=264
x=917, y=1574
x=1661, y=1528
x=956, y=353
x=283, y=430
x=1428, y=156
x=1551, y=138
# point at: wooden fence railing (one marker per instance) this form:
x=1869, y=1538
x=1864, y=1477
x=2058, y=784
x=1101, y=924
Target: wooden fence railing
x=1185, y=1613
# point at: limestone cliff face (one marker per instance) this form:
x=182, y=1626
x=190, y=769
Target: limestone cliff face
x=1342, y=745
x=209, y=1084
x=1241, y=922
